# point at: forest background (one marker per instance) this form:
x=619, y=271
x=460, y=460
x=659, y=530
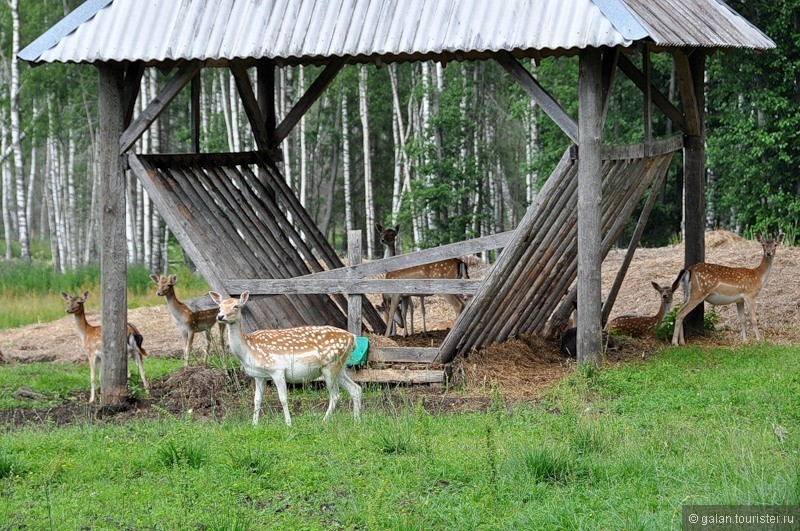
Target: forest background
x=448, y=152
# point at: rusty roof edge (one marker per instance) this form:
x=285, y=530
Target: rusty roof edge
x=64, y=27
x=623, y=20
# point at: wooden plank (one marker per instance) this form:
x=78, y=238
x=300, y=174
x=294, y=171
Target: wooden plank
x=250, y=103
x=648, y=93
x=265, y=86
x=204, y=160
x=307, y=100
x=154, y=109
x=113, y=249
x=661, y=101
x=548, y=103
x=403, y=354
x=426, y=256
x=354, y=300
x=133, y=80
x=638, y=151
x=406, y=376
x=690, y=96
x=590, y=197
x=303, y=285
x=195, y=110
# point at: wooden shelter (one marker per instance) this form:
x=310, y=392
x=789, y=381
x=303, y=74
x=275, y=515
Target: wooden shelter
x=245, y=229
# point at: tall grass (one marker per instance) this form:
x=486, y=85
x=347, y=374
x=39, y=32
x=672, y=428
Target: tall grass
x=30, y=293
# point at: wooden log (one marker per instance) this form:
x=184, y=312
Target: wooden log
x=638, y=151
x=354, y=300
x=154, y=109
x=132, y=82
x=403, y=355
x=351, y=286
x=405, y=376
x=113, y=250
x=265, y=78
x=195, y=111
x=250, y=104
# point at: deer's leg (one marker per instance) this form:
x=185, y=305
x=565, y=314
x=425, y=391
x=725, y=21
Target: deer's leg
x=137, y=359
x=677, y=336
x=422, y=307
x=353, y=389
x=207, y=332
x=258, y=398
x=332, y=383
x=390, y=318
x=280, y=385
x=751, y=306
x=740, y=311
x=92, y=362
x=407, y=310
x=188, y=349
x=222, y=336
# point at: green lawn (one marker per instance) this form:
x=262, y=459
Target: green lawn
x=620, y=448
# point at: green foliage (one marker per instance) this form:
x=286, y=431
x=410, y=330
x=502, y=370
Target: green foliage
x=188, y=454
x=7, y=466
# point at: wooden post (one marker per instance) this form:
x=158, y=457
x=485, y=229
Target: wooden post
x=354, y=301
x=265, y=88
x=196, y=112
x=113, y=259
x=590, y=128
x=694, y=175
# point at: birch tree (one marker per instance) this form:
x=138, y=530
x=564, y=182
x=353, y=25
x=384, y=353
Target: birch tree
x=369, y=203
x=21, y=210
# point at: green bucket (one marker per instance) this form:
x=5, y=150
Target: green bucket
x=359, y=354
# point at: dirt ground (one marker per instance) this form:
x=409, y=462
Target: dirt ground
x=520, y=369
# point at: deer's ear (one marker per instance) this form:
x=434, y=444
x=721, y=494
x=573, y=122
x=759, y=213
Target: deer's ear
x=397, y=229
x=759, y=239
x=780, y=237
x=154, y=278
x=216, y=297
x=244, y=297
x=378, y=227
x=173, y=279
x=85, y=295
x=656, y=286
x=65, y=296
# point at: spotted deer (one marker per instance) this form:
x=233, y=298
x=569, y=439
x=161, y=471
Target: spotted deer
x=639, y=326
x=452, y=268
x=90, y=339
x=187, y=321
x=719, y=285
x=290, y=355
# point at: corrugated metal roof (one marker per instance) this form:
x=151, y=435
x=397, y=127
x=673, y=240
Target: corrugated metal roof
x=311, y=30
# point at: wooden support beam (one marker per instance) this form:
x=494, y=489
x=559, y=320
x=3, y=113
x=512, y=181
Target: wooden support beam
x=250, y=103
x=133, y=82
x=648, y=98
x=113, y=249
x=195, y=107
x=661, y=101
x=548, y=103
x=639, y=151
x=354, y=300
x=610, y=60
x=590, y=195
x=691, y=99
x=304, y=285
x=265, y=78
x=154, y=109
x=307, y=100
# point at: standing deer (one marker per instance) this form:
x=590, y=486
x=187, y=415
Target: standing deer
x=452, y=268
x=290, y=355
x=638, y=326
x=187, y=321
x=718, y=285
x=90, y=339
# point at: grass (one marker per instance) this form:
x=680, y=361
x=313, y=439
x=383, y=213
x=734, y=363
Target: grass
x=611, y=449
x=31, y=293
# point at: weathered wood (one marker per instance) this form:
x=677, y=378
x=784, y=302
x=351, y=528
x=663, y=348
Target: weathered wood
x=154, y=109
x=548, y=103
x=133, y=81
x=307, y=100
x=638, y=151
x=648, y=98
x=426, y=256
x=691, y=97
x=590, y=129
x=265, y=79
x=250, y=104
x=113, y=249
x=661, y=101
x=403, y=354
x=303, y=285
x=354, y=300
x=632, y=246
x=406, y=376
x=610, y=60
x=694, y=173
x=195, y=110
x=205, y=160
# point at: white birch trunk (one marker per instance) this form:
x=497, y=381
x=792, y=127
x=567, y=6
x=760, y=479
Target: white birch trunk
x=369, y=202
x=348, y=200
x=24, y=239
x=225, y=108
x=71, y=216
x=233, y=105
x=5, y=169
x=49, y=196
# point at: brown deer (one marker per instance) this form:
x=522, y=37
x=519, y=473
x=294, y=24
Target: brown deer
x=718, y=285
x=90, y=339
x=290, y=355
x=452, y=268
x=188, y=322
x=639, y=326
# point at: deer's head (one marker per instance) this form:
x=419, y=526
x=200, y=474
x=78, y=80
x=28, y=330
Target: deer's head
x=388, y=236
x=666, y=293
x=230, y=310
x=74, y=304
x=164, y=284
x=770, y=245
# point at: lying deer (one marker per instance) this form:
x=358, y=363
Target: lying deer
x=188, y=322
x=90, y=340
x=452, y=268
x=718, y=285
x=290, y=355
x=638, y=326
